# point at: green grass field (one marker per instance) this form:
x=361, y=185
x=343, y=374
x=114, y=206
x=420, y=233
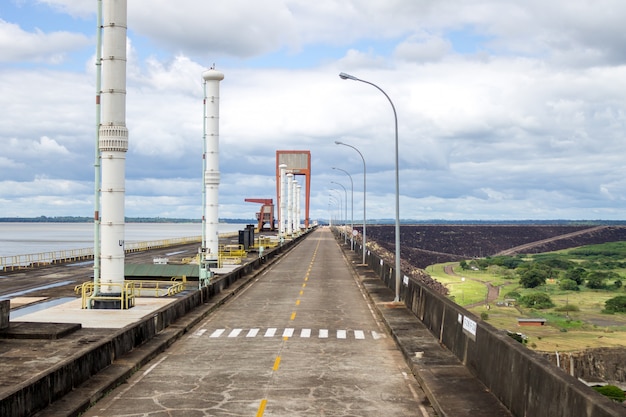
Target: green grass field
x=574, y=330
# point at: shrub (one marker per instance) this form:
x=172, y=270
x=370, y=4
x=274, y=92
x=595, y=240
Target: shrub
x=484, y=316
x=568, y=307
x=513, y=294
x=611, y=391
x=517, y=336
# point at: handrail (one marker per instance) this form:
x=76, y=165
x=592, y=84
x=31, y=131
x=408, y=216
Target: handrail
x=33, y=260
x=131, y=290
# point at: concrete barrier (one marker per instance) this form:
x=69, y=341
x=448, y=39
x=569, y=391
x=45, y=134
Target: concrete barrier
x=525, y=382
x=5, y=308
x=47, y=387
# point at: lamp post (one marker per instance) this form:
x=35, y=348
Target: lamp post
x=345, y=235
x=340, y=204
x=364, y=196
x=351, y=206
x=345, y=76
x=332, y=201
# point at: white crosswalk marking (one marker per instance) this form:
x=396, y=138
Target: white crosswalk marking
x=234, y=333
x=199, y=333
x=289, y=332
x=217, y=333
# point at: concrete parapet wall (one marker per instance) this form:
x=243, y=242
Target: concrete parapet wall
x=5, y=308
x=526, y=383
x=42, y=390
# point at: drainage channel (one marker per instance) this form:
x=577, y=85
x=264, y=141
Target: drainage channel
x=22, y=311
x=43, y=287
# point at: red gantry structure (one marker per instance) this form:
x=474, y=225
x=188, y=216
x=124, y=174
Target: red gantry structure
x=266, y=215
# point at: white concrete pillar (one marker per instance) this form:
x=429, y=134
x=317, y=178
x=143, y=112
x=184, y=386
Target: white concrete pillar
x=113, y=145
x=212, y=80
x=282, y=203
x=290, y=204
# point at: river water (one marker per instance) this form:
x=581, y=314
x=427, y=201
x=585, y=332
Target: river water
x=27, y=238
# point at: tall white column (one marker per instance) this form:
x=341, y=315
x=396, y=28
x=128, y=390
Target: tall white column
x=113, y=144
x=210, y=245
x=289, y=204
x=294, y=206
x=282, y=203
x=298, y=208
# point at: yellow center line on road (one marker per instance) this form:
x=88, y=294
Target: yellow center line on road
x=261, y=409
x=276, y=364
x=263, y=404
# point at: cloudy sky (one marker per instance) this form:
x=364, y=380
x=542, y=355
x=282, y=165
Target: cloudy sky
x=507, y=109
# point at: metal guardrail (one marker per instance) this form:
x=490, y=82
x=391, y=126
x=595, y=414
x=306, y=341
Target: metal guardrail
x=11, y=263
x=129, y=291
x=89, y=295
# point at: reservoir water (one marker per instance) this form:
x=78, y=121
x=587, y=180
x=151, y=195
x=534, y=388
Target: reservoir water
x=27, y=238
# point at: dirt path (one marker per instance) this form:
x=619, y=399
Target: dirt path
x=524, y=247
x=493, y=292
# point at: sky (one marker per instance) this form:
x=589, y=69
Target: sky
x=506, y=109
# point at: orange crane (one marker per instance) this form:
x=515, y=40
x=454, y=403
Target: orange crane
x=266, y=215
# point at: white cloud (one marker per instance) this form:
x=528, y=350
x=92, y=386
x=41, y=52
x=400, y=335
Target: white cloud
x=38, y=46
x=525, y=120
x=423, y=48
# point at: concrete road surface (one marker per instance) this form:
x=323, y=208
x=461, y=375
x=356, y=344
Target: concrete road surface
x=302, y=340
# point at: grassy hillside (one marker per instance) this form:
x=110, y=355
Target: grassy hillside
x=576, y=321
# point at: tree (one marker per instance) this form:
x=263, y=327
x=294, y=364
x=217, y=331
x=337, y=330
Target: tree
x=595, y=280
x=576, y=274
x=568, y=285
x=538, y=300
x=533, y=277
x=615, y=304
x=464, y=266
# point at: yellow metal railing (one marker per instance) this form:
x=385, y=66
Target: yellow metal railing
x=265, y=242
x=126, y=294
x=130, y=290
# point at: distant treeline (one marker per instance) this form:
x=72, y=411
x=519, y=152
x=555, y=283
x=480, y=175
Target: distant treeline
x=79, y=219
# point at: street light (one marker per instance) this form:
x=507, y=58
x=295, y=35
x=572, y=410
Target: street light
x=340, y=203
x=351, y=206
x=345, y=235
x=364, y=191
x=345, y=76
x=331, y=201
